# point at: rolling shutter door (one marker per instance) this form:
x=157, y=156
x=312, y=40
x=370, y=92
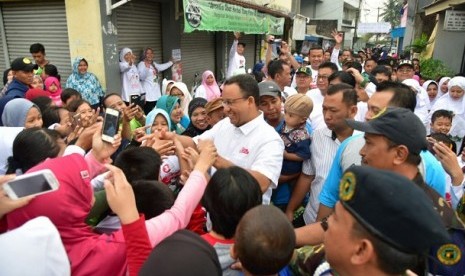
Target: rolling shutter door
x=139, y=26
x=197, y=55
x=27, y=23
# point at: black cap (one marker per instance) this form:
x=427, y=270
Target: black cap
x=392, y=208
x=22, y=64
x=269, y=88
x=399, y=125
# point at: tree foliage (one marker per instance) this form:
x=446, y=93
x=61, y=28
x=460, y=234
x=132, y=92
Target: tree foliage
x=391, y=12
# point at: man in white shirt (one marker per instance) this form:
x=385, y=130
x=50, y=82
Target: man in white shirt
x=324, y=71
x=340, y=103
x=244, y=138
x=236, y=57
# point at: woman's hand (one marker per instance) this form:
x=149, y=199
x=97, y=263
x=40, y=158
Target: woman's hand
x=7, y=204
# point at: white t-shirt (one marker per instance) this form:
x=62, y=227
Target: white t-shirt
x=316, y=117
x=236, y=61
x=254, y=145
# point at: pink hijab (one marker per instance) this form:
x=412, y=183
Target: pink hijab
x=68, y=207
x=55, y=96
x=213, y=91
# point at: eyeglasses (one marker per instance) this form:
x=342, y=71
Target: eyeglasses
x=322, y=77
x=229, y=102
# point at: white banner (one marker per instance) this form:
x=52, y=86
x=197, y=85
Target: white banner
x=377, y=27
x=299, y=28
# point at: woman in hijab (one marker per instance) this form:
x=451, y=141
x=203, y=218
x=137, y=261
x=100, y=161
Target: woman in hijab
x=148, y=71
x=443, y=86
x=166, y=86
x=172, y=105
x=179, y=89
x=130, y=80
x=198, y=118
x=85, y=83
x=431, y=88
x=21, y=113
x=209, y=88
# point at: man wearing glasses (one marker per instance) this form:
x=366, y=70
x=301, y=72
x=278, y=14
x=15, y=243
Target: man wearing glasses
x=244, y=138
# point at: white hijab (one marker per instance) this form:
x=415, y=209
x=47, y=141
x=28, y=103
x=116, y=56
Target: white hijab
x=441, y=82
x=438, y=95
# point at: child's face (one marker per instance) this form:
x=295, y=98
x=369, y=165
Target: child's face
x=159, y=124
x=292, y=120
x=53, y=88
x=441, y=125
x=176, y=114
x=37, y=83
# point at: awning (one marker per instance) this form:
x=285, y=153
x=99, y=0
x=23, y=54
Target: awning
x=209, y=15
x=441, y=5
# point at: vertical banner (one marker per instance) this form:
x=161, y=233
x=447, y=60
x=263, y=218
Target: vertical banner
x=176, y=69
x=209, y=15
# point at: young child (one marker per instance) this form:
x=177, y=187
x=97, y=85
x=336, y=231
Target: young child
x=441, y=121
x=53, y=87
x=129, y=75
x=296, y=142
x=265, y=242
x=230, y=193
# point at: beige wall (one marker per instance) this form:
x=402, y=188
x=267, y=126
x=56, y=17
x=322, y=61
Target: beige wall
x=84, y=33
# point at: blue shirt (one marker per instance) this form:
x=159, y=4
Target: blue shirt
x=435, y=175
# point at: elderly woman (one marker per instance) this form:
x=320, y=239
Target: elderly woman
x=85, y=83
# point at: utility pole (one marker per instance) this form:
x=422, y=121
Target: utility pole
x=377, y=20
x=357, y=18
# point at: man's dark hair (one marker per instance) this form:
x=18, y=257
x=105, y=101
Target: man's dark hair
x=390, y=260
x=349, y=95
x=247, y=84
x=152, y=197
x=241, y=43
x=68, y=93
x=36, y=48
x=275, y=67
x=52, y=71
x=330, y=65
x=51, y=116
x=441, y=113
x=315, y=48
x=344, y=77
x=230, y=193
x=353, y=64
x=139, y=163
x=381, y=69
x=74, y=105
x=371, y=59
x=403, y=95
x=108, y=96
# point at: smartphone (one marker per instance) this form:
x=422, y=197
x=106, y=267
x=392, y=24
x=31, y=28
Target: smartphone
x=36, y=183
x=110, y=125
x=75, y=119
x=137, y=100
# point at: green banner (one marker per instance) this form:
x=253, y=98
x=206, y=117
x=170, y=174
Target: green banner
x=208, y=15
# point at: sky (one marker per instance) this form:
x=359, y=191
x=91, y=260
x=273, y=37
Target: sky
x=369, y=11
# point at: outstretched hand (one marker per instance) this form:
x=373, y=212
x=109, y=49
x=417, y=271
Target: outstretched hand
x=207, y=155
x=337, y=36
x=7, y=204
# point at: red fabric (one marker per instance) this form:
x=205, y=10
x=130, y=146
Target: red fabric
x=88, y=252
x=35, y=92
x=198, y=220
x=138, y=246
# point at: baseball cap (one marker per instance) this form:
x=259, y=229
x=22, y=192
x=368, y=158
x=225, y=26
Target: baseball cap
x=269, y=88
x=22, y=64
x=299, y=104
x=411, y=226
x=214, y=105
x=305, y=70
x=403, y=62
x=399, y=125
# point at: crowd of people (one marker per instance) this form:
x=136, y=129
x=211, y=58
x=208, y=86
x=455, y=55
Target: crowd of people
x=339, y=163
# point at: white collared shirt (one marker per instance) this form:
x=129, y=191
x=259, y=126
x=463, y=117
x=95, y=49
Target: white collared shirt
x=254, y=145
x=316, y=117
x=323, y=150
